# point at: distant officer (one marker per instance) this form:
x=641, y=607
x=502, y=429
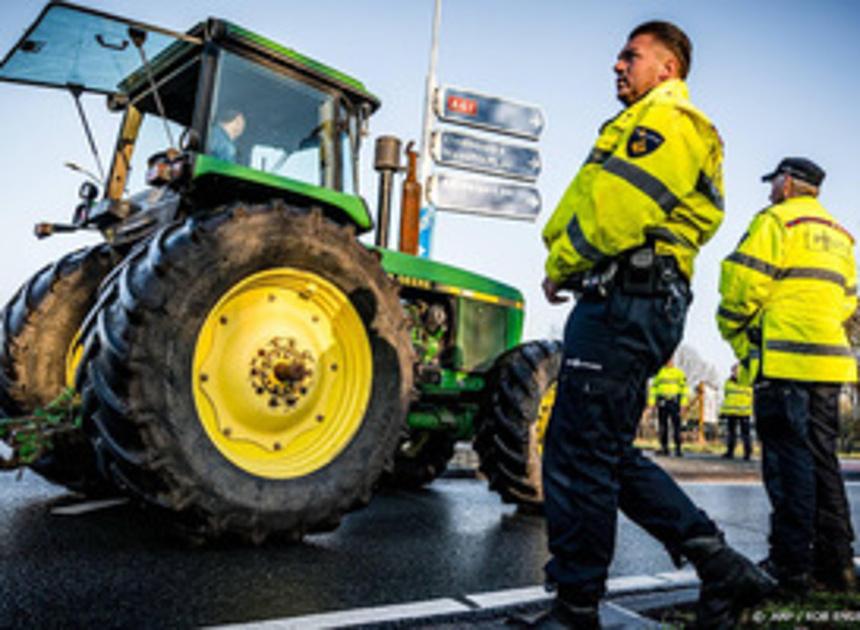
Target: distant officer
x=669, y=392
x=624, y=236
x=786, y=291
x=736, y=411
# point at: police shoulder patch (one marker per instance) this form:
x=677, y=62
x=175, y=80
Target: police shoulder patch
x=643, y=141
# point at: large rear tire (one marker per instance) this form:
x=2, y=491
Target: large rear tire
x=39, y=355
x=512, y=421
x=250, y=372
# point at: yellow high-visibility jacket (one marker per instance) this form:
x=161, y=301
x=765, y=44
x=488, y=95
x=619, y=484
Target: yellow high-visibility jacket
x=787, y=290
x=655, y=171
x=737, y=399
x=670, y=382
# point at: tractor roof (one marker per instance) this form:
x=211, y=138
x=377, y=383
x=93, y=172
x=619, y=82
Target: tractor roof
x=224, y=29
x=74, y=47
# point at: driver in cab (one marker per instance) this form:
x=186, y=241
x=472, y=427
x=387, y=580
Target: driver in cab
x=229, y=126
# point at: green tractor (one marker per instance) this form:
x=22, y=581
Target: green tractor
x=244, y=363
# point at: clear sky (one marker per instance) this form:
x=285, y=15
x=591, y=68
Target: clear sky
x=776, y=77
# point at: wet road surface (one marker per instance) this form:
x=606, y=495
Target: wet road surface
x=120, y=567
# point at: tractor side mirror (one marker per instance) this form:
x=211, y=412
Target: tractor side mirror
x=88, y=192
x=190, y=140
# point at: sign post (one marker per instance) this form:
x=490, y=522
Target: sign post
x=427, y=214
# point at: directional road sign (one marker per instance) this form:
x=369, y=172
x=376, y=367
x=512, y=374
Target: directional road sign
x=483, y=196
x=460, y=150
x=488, y=112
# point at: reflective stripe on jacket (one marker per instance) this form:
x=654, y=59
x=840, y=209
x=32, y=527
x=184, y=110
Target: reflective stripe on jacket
x=655, y=170
x=670, y=382
x=787, y=290
x=737, y=399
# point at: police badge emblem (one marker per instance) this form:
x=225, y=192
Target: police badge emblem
x=643, y=141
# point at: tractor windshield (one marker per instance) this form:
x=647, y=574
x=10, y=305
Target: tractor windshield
x=79, y=48
x=278, y=124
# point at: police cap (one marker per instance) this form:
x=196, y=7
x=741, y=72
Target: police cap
x=799, y=168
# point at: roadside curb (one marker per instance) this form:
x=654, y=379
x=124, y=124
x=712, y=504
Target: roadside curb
x=627, y=599
x=493, y=608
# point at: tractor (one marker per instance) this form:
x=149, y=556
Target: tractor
x=242, y=362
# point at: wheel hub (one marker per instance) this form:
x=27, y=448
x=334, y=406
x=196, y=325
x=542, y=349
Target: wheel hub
x=282, y=372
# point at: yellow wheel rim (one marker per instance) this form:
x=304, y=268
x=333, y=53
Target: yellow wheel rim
x=281, y=373
x=74, y=354
x=537, y=435
x=544, y=410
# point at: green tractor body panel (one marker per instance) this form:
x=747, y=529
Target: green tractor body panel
x=221, y=181
x=489, y=314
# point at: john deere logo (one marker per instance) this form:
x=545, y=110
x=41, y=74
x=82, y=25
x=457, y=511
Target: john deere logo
x=643, y=141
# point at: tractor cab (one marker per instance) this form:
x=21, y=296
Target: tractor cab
x=210, y=116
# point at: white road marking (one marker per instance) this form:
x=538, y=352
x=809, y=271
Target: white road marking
x=357, y=616
x=510, y=597
x=85, y=507
x=633, y=584
x=679, y=579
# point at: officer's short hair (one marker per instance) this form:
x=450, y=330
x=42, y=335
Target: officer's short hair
x=672, y=38
x=804, y=188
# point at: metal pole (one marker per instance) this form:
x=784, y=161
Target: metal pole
x=430, y=91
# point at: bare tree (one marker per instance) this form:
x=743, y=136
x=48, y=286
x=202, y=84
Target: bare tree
x=696, y=368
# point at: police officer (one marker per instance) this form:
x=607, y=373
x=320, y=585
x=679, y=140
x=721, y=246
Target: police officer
x=669, y=392
x=736, y=410
x=786, y=292
x=623, y=237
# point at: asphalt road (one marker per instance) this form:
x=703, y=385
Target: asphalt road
x=119, y=567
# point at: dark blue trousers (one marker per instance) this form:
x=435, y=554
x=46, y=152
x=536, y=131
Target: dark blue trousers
x=590, y=467
x=669, y=411
x=810, y=525
x=732, y=423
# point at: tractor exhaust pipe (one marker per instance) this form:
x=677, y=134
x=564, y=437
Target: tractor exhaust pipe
x=410, y=204
x=387, y=163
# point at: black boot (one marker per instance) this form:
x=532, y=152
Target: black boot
x=570, y=609
x=835, y=580
x=730, y=582
x=563, y=616
x=793, y=585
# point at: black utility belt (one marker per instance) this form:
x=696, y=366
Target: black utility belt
x=636, y=272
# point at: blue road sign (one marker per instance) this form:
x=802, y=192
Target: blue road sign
x=483, y=196
x=488, y=112
x=460, y=150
